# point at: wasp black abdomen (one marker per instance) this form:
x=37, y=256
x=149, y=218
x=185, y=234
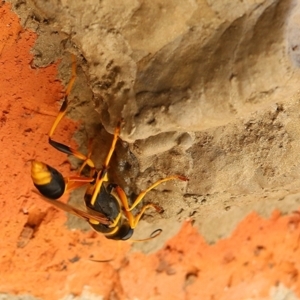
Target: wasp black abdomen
x=48, y=180
x=105, y=203
x=122, y=231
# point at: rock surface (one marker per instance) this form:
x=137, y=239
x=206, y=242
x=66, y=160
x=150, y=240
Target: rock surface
x=207, y=89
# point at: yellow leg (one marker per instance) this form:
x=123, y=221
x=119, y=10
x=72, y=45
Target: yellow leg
x=102, y=175
x=133, y=220
x=59, y=146
x=143, y=193
x=75, y=182
x=88, y=157
x=65, y=104
x=113, y=146
x=137, y=218
x=124, y=200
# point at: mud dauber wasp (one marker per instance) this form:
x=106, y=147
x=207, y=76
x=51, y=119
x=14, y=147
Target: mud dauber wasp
x=106, y=205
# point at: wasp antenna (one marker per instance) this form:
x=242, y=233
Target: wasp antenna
x=153, y=235
x=108, y=260
x=183, y=178
x=102, y=261
x=41, y=112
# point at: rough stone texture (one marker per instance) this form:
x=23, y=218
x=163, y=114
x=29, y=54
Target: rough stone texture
x=208, y=89
x=248, y=161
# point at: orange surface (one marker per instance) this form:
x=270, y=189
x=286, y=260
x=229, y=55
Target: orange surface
x=55, y=261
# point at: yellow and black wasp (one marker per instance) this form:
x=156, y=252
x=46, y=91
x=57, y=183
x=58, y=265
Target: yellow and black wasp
x=106, y=205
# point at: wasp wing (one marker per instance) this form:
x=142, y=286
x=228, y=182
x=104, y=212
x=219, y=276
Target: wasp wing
x=79, y=212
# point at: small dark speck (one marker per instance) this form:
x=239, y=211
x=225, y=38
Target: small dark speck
x=74, y=259
x=258, y=250
x=180, y=211
x=193, y=213
x=151, y=121
x=227, y=208
x=191, y=277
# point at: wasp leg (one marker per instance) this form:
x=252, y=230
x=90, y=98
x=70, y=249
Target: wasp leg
x=102, y=175
x=65, y=104
x=140, y=214
x=133, y=221
x=143, y=193
x=123, y=198
x=92, y=173
x=75, y=182
x=113, y=146
x=59, y=146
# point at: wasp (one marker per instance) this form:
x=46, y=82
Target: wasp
x=106, y=209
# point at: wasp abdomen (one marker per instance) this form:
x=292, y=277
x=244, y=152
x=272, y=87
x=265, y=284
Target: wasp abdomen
x=108, y=204
x=47, y=180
